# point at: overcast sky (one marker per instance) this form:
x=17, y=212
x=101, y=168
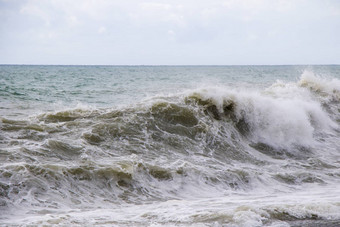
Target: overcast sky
x=176, y=32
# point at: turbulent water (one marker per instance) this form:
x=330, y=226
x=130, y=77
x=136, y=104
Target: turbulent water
x=170, y=146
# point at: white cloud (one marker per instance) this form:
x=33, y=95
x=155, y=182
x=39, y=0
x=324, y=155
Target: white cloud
x=169, y=28
x=72, y=20
x=36, y=11
x=102, y=30
x=152, y=6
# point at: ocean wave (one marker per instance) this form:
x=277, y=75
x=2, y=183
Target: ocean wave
x=327, y=87
x=208, y=141
x=276, y=121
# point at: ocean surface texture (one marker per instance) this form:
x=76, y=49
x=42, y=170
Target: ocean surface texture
x=170, y=145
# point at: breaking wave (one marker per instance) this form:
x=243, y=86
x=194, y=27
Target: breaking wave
x=209, y=141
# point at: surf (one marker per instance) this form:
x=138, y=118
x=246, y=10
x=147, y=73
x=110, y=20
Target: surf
x=256, y=151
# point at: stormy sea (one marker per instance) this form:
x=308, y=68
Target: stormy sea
x=170, y=145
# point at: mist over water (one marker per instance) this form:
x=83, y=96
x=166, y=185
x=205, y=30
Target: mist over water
x=170, y=145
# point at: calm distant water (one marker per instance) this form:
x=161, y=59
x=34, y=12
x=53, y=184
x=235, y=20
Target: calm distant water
x=170, y=145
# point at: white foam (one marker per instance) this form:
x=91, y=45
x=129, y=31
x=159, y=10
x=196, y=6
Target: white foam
x=285, y=114
x=326, y=86
x=235, y=210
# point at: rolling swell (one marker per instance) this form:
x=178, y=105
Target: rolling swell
x=207, y=141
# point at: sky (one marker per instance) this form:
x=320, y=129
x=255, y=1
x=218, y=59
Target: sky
x=176, y=32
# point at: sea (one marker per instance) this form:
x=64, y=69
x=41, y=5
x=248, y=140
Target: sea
x=170, y=145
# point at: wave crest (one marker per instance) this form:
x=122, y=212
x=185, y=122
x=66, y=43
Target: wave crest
x=268, y=117
x=327, y=87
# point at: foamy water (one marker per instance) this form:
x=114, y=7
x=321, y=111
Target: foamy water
x=170, y=146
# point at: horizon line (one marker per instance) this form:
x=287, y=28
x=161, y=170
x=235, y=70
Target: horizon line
x=164, y=65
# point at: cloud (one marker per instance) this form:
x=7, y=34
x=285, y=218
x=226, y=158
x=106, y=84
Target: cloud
x=36, y=11
x=102, y=30
x=217, y=30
